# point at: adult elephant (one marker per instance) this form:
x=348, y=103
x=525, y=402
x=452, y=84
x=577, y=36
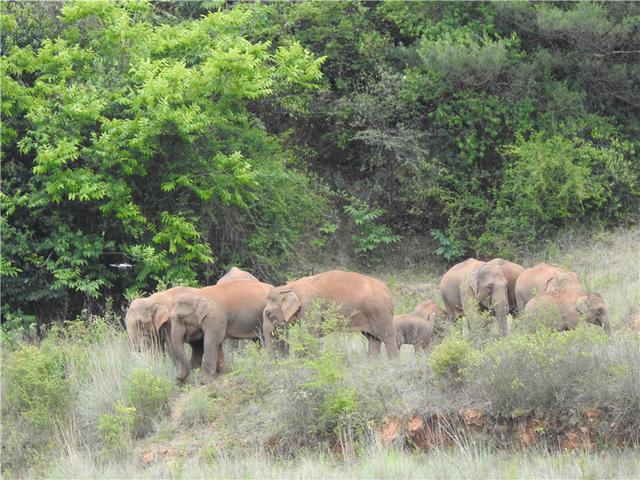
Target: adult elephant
x=511, y=272
x=237, y=274
x=147, y=321
x=573, y=306
x=230, y=309
x=484, y=282
x=536, y=280
x=364, y=302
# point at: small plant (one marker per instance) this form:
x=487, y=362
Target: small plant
x=253, y=367
x=115, y=430
x=149, y=395
x=451, y=360
x=450, y=247
x=199, y=408
x=371, y=235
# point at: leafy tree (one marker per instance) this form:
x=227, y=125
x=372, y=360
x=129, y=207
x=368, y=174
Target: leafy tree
x=131, y=141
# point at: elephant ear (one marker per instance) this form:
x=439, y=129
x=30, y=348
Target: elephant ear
x=290, y=304
x=159, y=315
x=474, y=281
x=201, y=309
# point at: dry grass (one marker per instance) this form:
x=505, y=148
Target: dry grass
x=374, y=462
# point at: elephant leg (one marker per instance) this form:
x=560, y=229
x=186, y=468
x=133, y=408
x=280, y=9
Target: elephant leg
x=373, y=349
x=177, y=347
x=220, y=362
x=393, y=350
x=197, y=349
x=212, y=348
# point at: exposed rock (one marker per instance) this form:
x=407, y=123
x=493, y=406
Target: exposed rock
x=391, y=432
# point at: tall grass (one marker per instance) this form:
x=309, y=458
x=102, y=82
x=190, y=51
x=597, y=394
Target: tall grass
x=454, y=464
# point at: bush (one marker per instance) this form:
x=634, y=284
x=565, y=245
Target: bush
x=561, y=179
x=149, y=395
x=452, y=359
x=370, y=235
x=36, y=385
x=115, y=430
x=546, y=373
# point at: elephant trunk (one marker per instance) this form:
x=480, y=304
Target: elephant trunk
x=501, y=309
x=268, y=330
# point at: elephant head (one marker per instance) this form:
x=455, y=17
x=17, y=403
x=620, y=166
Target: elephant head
x=429, y=311
x=593, y=309
x=489, y=287
x=143, y=321
x=563, y=282
x=282, y=305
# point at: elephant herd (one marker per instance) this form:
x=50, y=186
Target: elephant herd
x=504, y=287
x=242, y=307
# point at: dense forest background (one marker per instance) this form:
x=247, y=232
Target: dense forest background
x=182, y=138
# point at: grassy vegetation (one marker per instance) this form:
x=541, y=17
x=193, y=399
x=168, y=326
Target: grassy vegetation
x=375, y=462
x=83, y=404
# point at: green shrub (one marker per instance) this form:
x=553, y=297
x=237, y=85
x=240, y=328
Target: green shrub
x=545, y=373
x=37, y=387
x=253, y=367
x=371, y=235
x=451, y=360
x=149, y=394
x=560, y=179
x=115, y=430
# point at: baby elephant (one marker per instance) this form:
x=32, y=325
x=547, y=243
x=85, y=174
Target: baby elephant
x=417, y=328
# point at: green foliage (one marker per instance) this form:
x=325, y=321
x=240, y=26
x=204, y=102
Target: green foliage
x=115, y=430
x=558, y=179
x=132, y=138
x=148, y=394
x=546, y=373
x=37, y=388
x=371, y=235
x=253, y=367
x=452, y=359
x=181, y=137
x=450, y=248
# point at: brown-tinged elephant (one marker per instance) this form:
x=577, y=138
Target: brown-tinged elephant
x=511, y=273
x=236, y=273
x=231, y=309
x=147, y=322
x=482, y=281
x=364, y=302
x=417, y=328
x=536, y=280
x=573, y=306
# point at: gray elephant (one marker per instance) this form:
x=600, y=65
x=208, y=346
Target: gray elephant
x=363, y=301
x=147, y=322
x=484, y=282
x=231, y=309
x=573, y=306
x=417, y=328
x=536, y=280
x=236, y=273
x=512, y=272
